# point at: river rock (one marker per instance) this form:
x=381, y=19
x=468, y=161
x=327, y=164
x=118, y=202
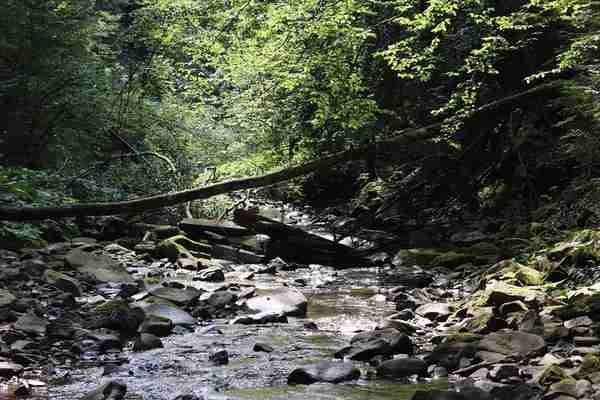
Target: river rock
x=577, y=322
x=9, y=369
x=178, y=296
x=31, y=323
x=367, y=345
x=512, y=342
x=325, y=371
x=6, y=298
x=260, y=318
x=211, y=275
x=33, y=267
x=285, y=301
x=522, y=391
x=99, y=265
x=449, y=354
x=175, y=315
x=435, y=311
x=160, y=327
x=112, y=390
x=219, y=357
x=106, y=342
x=116, y=314
x=263, y=347
x=63, y=282
x=147, y=341
x=402, y=368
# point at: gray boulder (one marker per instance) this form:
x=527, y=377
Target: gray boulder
x=285, y=301
x=326, y=371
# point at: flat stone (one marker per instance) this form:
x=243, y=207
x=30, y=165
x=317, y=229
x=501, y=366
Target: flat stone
x=31, y=323
x=512, y=342
x=326, y=371
x=177, y=296
x=285, y=301
x=100, y=266
x=176, y=315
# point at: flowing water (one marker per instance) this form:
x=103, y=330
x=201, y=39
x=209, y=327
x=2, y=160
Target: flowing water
x=340, y=303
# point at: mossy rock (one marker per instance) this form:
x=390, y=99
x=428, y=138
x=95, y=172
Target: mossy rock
x=499, y=293
x=553, y=374
x=485, y=322
x=371, y=194
x=111, y=306
x=590, y=365
x=580, y=305
x=416, y=256
x=180, y=246
x=514, y=272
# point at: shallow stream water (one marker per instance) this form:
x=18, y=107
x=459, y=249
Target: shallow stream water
x=340, y=303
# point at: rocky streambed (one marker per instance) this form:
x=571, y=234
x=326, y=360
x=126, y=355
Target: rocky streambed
x=159, y=317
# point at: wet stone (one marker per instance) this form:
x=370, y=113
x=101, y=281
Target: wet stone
x=177, y=296
x=219, y=357
x=578, y=322
x=402, y=368
x=263, y=347
x=326, y=371
x=211, y=275
x=147, y=341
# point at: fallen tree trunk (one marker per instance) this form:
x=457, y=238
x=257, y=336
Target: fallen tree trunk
x=296, y=245
x=170, y=199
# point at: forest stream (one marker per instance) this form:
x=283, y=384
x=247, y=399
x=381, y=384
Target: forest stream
x=341, y=303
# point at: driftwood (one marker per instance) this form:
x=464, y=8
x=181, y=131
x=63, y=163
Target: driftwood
x=170, y=199
x=296, y=245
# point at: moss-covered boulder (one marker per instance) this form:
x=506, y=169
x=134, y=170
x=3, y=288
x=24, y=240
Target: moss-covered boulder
x=516, y=273
x=117, y=315
x=553, y=374
x=498, y=293
x=589, y=366
x=180, y=246
x=585, y=301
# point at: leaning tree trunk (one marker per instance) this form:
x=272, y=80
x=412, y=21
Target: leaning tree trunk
x=170, y=199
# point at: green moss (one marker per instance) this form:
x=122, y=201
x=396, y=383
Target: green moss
x=110, y=306
x=590, y=365
x=553, y=374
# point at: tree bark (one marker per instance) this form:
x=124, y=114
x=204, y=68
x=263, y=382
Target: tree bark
x=170, y=199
